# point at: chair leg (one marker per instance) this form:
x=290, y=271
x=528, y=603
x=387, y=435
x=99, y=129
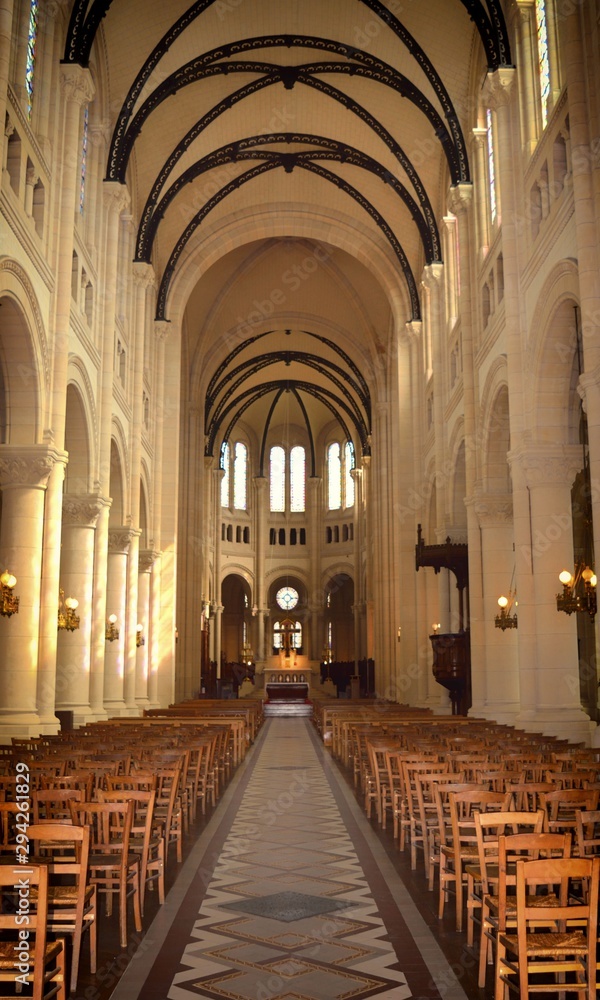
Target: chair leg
x=137, y=915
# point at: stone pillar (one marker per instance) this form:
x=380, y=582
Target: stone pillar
x=261, y=494
x=480, y=171
x=154, y=655
x=369, y=543
x=130, y=619
x=24, y=474
x=315, y=547
x=549, y=679
x=73, y=662
x=119, y=540
x=495, y=663
x=433, y=276
x=47, y=16
x=144, y=617
x=359, y=604
x=217, y=479
x=584, y=173
x=526, y=34
x=6, y=32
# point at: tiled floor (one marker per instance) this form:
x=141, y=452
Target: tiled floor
x=289, y=893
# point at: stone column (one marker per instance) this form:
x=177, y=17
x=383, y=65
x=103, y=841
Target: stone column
x=261, y=493
x=433, y=276
x=119, y=540
x=585, y=199
x=6, y=31
x=154, y=652
x=480, y=171
x=144, y=617
x=217, y=479
x=495, y=664
x=130, y=621
x=549, y=679
x=73, y=662
x=24, y=474
x=315, y=547
x=526, y=34
x=358, y=606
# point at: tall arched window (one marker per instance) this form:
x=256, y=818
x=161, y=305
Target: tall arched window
x=234, y=462
x=287, y=490
x=240, y=476
x=334, y=477
x=225, y=482
x=297, y=479
x=84, y=148
x=277, y=478
x=491, y=165
x=340, y=484
x=31, y=46
x=543, y=58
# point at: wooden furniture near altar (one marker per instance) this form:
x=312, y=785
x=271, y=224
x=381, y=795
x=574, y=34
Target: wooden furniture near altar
x=291, y=691
x=451, y=650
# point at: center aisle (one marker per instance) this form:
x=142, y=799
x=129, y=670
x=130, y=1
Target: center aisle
x=288, y=894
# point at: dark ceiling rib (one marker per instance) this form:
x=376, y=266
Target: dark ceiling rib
x=265, y=434
x=206, y=66
x=280, y=161
x=243, y=150
x=266, y=360
x=252, y=88
x=238, y=406
x=82, y=30
x=212, y=390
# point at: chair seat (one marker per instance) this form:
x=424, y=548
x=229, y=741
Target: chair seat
x=9, y=958
x=65, y=894
x=549, y=945
x=533, y=901
x=108, y=860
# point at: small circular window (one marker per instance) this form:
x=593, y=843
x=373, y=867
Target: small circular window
x=287, y=598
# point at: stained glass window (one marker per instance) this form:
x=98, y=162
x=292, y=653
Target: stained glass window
x=334, y=477
x=348, y=480
x=491, y=164
x=226, y=478
x=297, y=479
x=240, y=476
x=30, y=63
x=84, y=147
x=277, y=478
x=543, y=58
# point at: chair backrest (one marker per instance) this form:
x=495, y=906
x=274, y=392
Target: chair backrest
x=109, y=824
x=8, y=821
x=490, y=826
x=464, y=805
x=53, y=803
x=588, y=831
x=565, y=876
x=526, y=795
x=561, y=805
x=29, y=914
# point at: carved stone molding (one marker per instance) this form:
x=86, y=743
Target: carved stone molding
x=146, y=560
x=414, y=330
x=77, y=84
x=548, y=465
x=24, y=467
x=162, y=329
x=433, y=275
x=119, y=539
x=82, y=509
x=460, y=198
x=498, y=87
x=492, y=510
x=116, y=196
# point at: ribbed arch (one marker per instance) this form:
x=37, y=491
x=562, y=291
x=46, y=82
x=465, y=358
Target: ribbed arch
x=243, y=150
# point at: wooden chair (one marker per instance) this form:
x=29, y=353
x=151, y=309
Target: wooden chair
x=52, y=804
x=567, y=946
x=588, y=832
x=71, y=899
x=146, y=838
x=420, y=812
x=561, y=807
x=499, y=907
x=44, y=961
x=113, y=867
x=526, y=795
x=463, y=846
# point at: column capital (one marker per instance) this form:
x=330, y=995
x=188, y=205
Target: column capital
x=260, y=482
x=460, y=198
x=479, y=137
x=491, y=509
x=548, y=465
x=162, y=329
x=100, y=133
x=433, y=275
x=116, y=196
x=413, y=330
x=146, y=559
x=83, y=509
x=119, y=539
x=498, y=87
x=28, y=465
x=588, y=386
x=76, y=83
x=143, y=274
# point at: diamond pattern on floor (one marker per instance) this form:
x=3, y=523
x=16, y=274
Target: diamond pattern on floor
x=287, y=902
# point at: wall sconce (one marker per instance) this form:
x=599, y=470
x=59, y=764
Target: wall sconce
x=139, y=635
x=9, y=603
x=247, y=654
x=111, y=631
x=435, y=628
x=504, y=619
x=67, y=619
x=399, y=633
x=579, y=591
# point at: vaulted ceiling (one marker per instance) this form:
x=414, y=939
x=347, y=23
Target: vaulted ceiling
x=288, y=161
